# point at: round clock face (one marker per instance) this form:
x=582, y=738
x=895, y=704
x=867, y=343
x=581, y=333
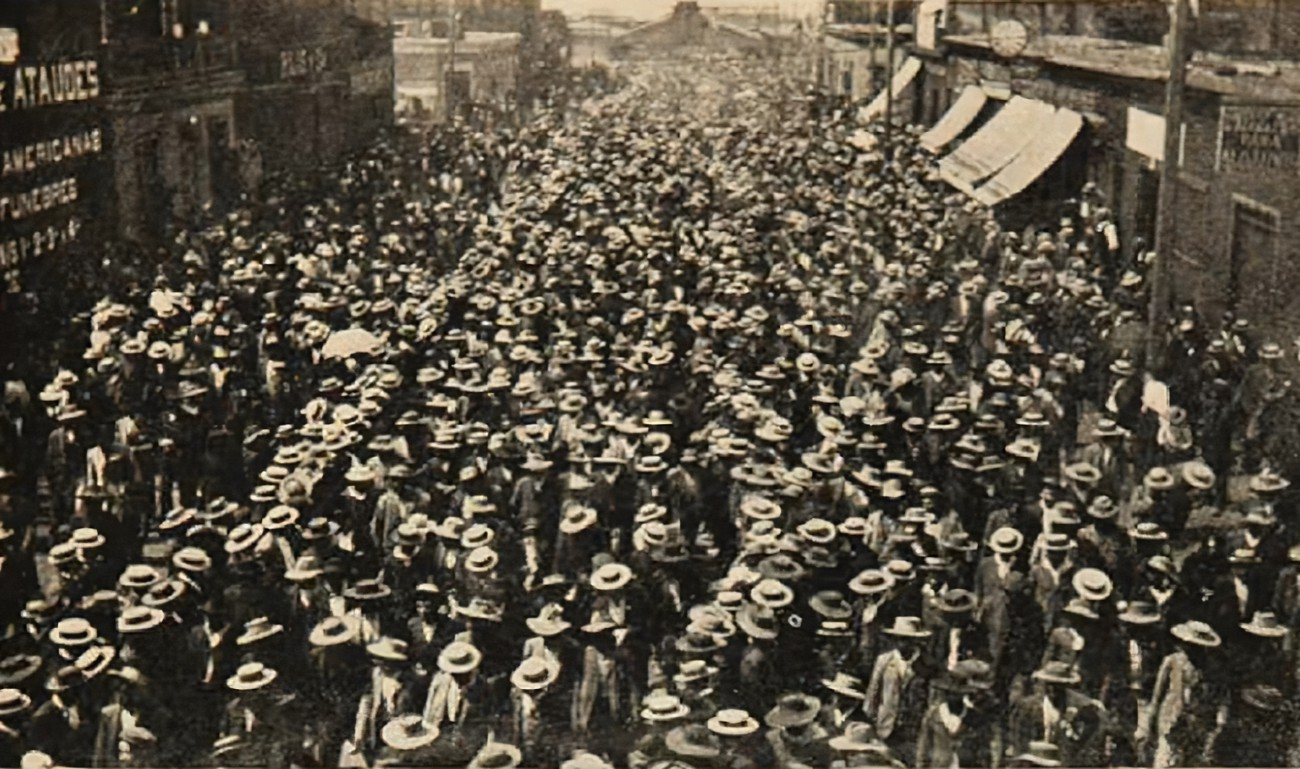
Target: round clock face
x=1008, y=38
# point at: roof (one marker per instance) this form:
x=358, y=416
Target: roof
x=1270, y=80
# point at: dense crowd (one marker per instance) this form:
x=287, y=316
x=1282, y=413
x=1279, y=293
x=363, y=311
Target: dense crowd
x=680, y=430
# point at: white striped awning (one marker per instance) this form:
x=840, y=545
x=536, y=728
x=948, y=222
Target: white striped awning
x=903, y=78
x=1050, y=141
x=958, y=117
x=995, y=144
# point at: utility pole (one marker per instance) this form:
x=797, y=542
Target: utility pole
x=889, y=74
x=450, y=75
x=1167, y=202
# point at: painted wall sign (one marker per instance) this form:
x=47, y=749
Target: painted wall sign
x=301, y=62
x=43, y=85
x=1259, y=137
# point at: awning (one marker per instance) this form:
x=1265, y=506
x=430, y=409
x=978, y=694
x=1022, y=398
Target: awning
x=995, y=144
x=903, y=77
x=960, y=115
x=1050, y=141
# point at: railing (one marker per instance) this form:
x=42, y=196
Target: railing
x=125, y=61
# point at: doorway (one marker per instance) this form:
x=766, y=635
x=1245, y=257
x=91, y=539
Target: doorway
x=1254, y=258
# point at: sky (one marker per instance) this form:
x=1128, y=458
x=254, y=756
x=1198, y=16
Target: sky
x=652, y=9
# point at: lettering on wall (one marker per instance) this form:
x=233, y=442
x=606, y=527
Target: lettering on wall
x=1259, y=137
x=301, y=62
x=42, y=85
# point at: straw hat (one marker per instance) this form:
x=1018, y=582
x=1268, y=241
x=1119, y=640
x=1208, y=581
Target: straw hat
x=611, y=576
x=732, y=722
x=1092, y=584
x=73, y=632
x=772, y=594
x=907, y=627
x=662, y=706
x=535, y=673
x=334, y=631
x=496, y=755
x=758, y=621
x=1265, y=625
x=251, y=676
x=793, y=710
x=410, y=732
x=258, y=629
x=1197, y=633
x=459, y=657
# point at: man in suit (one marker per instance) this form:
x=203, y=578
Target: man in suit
x=1058, y=713
x=1180, y=719
x=954, y=731
x=896, y=691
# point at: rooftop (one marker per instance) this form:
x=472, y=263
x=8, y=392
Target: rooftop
x=1265, y=80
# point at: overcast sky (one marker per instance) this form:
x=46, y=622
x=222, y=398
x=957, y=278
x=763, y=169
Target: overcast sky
x=650, y=9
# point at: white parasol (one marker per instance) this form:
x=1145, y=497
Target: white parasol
x=353, y=341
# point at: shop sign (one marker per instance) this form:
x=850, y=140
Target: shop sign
x=42, y=85
x=1259, y=138
x=301, y=62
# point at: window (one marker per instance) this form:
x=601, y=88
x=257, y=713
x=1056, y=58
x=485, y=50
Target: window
x=1252, y=281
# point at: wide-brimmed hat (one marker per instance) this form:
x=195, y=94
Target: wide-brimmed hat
x=192, y=559
x=1057, y=672
x=258, y=629
x=1092, y=584
x=164, y=593
x=549, y=621
x=305, y=568
x=780, y=566
x=577, y=518
x=733, y=722
x=907, y=627
x=1198, y=475
x=956, y=601
x=758, y=621
x=847, y=685
x=662, y=706
x=496, y=755
x=1158, y=479
x=367, y=590
x=140, y=619
x=95, y=660
x=251, y=676
x=759, y=508
x=611, y=576
x=772, y=594
x=1006, y=540
x=1268, y=482
x=86, y=538
x=243, y=536
x=1102, y=508
x=693, y=741
x=1082, y=472
x=871, y=581
x=1265, y=625
x=139, y=576
x=388, y=649
x=831, y=604
x=535, y=673
x=793, y=710
x=18, y=668
x=13, y=701
x=1040, y=754
x=409, y=732
x=73, y=632
x=459, y=657
x=280, y=517
x=1196, y=633
x=1140, y=613
x=334, y=631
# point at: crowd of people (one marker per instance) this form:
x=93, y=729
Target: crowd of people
x=674, y=431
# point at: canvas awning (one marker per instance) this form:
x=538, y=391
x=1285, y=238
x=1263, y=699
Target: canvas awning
x=958, y=117
x=1050, y=141
x=995, y=144
x=906, y=73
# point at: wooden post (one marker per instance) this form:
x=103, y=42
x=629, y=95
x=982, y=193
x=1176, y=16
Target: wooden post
x=1167, y=202
x=889, y=74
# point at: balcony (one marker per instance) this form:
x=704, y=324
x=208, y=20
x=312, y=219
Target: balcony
x=156, y=64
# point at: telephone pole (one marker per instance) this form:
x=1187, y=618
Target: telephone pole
x=889, y=74
x=1167, y=202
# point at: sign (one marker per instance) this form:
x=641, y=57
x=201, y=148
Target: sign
x=301, y=62
x=1145, y=134
x=1255, y=138
x=9, y=48
x=42, y=85
x=930, y=22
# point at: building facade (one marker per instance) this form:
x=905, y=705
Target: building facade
x=1027, y=102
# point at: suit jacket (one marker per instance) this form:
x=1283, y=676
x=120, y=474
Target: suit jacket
x=1079, y=730
x=893, y=692
x=950, y=740
x=996, y=596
